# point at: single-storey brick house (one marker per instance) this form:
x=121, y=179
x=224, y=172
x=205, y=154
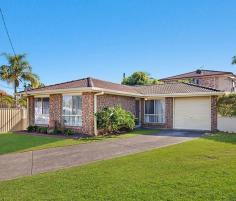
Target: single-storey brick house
x=170, y=105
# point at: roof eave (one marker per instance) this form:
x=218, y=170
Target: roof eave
x=185, y=94
x=79, y=90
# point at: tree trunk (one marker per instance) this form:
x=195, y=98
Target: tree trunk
x=15, y=91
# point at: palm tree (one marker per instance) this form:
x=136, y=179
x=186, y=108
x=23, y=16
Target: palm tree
x=6, y=101
x=17, y=71
x=234, y=60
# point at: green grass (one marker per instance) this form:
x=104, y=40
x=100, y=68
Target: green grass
x=202, y=169
x=11, y=142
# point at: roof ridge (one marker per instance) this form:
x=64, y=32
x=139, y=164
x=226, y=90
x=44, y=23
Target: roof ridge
x=112, y=82
x=58, y=84
x=185, y=74
x=200, y=86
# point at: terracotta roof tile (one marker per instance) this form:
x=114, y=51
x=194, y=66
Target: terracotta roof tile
x=168, y=88
x=173, y=88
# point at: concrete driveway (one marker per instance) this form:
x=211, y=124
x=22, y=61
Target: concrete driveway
x=34, y=162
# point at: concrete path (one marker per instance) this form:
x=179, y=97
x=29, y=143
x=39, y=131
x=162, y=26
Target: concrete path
x=34, y=162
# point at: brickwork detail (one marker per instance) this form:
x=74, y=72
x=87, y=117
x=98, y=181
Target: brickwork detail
x=213, y=113
x=31, y=110
x=211, y=82
x=127, y=103
x=88, y=113
x=55, y=110
x=169, y=112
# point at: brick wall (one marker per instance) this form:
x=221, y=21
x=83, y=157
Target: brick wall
x=88, y=113
x=211, y=82
x=127, y=103
x=169, y=112
x=55, y=109
x=168, y=115
x=31, y=110
x=213, y=113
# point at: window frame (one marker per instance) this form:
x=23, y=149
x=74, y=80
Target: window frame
x=155, y=115
x=80, y=123
x=44, y=116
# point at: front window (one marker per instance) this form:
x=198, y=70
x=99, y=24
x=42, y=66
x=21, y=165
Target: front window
x=72, y=110
x=41, y=110
x=154, y=111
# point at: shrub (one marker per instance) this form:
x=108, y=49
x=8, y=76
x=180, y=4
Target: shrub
x=56, y=131
x=43, y=130
x=40, y=129
x=68, y=131
x=115, y=119
x=226, y=105
x=32, y=128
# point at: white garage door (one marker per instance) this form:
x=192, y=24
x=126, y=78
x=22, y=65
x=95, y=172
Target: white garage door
x=192, y=113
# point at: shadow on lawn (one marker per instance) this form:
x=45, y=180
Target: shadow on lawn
x=222, y=137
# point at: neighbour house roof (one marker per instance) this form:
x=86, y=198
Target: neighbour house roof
x=96, y=85
x=3, y=93
x=198, y=73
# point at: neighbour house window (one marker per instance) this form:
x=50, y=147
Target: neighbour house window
x=195, y=81
x=41, y=110
x=72, y=110
x=154, y=111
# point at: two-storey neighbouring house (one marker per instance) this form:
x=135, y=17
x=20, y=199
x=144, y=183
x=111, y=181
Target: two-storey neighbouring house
x=221, y=80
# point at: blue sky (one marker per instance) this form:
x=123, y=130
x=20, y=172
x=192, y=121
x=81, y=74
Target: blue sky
x=71, y=39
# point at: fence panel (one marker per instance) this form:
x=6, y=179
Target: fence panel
x=227, y=124
x=12, y=119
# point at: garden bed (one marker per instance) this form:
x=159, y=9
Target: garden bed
x=60, y=135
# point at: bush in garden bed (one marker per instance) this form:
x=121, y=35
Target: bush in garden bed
x=68, y=132
x=32, y=128
x=115, y=120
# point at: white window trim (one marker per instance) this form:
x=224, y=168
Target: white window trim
x=43, y=116
x=72, y=115
x=157, y=115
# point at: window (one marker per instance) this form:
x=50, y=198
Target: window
x=41, y=110
x=154, y=111
x=72, y=110
x=195, y=81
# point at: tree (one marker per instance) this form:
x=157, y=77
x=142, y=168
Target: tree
x=139, y=78
x=8, y=101
x=234, y=60
x=18, y=71
x=226, y=105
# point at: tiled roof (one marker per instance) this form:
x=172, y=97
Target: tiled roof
x=168, y=88
x=174, y=88
x=87, y=82
x=198, y=73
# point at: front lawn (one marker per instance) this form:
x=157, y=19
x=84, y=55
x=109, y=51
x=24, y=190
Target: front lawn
x=202, y=169
x=11, y=142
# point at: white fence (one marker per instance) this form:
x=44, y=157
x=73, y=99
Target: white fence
x=227, y=124
x=12, y=119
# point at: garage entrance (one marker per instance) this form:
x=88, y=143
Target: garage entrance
x=192, y=113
